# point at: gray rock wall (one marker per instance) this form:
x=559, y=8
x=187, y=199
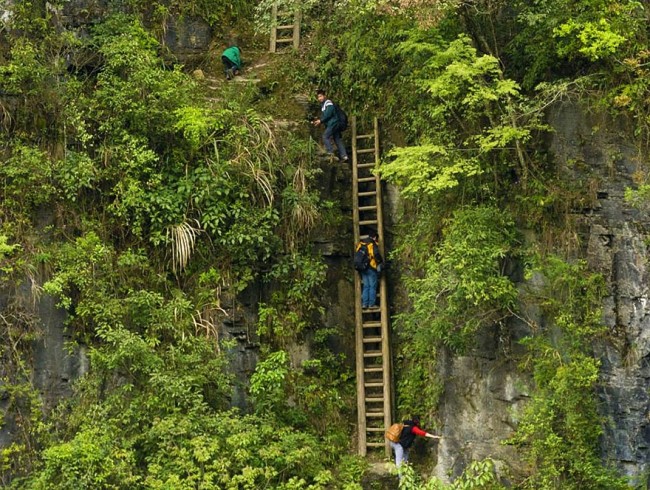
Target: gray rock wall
x=484, y=392
x=614, y=236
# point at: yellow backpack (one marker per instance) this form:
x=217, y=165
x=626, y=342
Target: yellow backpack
x=394, y=431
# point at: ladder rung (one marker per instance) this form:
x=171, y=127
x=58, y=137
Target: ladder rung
x=365, y=150
x=368, y=222
x=367, y=208
x=371, y=339
x=372, y=353
x=374, y=399
x=373, y=370
x=375, y=429
x=372, y=325
x=288, y=26
x=367, y=179
x=367, y=193
x=373, y=385
x=374, y=415
x=366, y=165
x=363, y=136
x=288, y=40
x=372, y=309
x=375, y=444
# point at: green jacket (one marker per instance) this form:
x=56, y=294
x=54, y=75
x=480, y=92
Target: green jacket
x=329, y=117
x=233, y=54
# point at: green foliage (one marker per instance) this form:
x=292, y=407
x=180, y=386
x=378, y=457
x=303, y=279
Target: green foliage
x=295, y=281
x=557, y=36
x=27, y=177
x=479, y=475
x=560, y=429
x=214, y=12
x=134, y=92
x=186, y=451
x=233, y=451
x=6, y=250
x=458, y=91
x=462, y=290
x=92, y=459
x=594, y=40
x=158, y=392
x=163, y=202
x=428, y=169
x=268, y=383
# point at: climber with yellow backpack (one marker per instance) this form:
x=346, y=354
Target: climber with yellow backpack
x=368, y=261
x=401, y=437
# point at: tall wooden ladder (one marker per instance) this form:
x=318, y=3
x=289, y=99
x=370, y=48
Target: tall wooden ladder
x=372, y=342
x=285, y=28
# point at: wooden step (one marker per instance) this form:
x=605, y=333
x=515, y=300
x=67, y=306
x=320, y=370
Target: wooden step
x=366, y=165
x=373, y=370
x=375, y=444
x=283, y=40
x=372, y=353
x=367, y=208
x=367, y=179
x=371, y=339
x=365, y=136
x=368, y=222
x=373, y=385
x=374, y=399
x=287, y=26
x=372, y=325
x=365, y=150
x=367, y=193
x=375, y=415
x=375, y=429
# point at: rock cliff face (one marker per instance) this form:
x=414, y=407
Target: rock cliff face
x=484, y=391
x=614, y=236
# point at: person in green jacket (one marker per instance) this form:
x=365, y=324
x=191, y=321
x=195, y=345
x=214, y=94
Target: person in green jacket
x=330, y=119
x=231, y=58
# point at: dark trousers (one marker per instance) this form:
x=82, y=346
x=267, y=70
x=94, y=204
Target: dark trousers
x=333, y=133
x=228, y=64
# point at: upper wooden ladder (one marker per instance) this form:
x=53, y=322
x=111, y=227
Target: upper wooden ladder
x=285, y=28
x=372, y=342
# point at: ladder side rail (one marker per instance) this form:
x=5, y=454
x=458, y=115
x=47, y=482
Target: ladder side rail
x=383, y=297
x=358, y=321
x=274, y=30
x=296, y=29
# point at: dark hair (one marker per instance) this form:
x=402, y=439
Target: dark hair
x=416, y=419
x=320, y=91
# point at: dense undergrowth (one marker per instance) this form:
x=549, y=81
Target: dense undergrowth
x=163, y=204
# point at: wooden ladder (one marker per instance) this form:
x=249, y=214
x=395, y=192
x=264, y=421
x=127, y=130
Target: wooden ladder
x=284, y=28
x=372, y=342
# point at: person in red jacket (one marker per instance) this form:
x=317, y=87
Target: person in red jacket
x=409, y=432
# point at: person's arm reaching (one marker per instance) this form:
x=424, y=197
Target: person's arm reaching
x=419, y=432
